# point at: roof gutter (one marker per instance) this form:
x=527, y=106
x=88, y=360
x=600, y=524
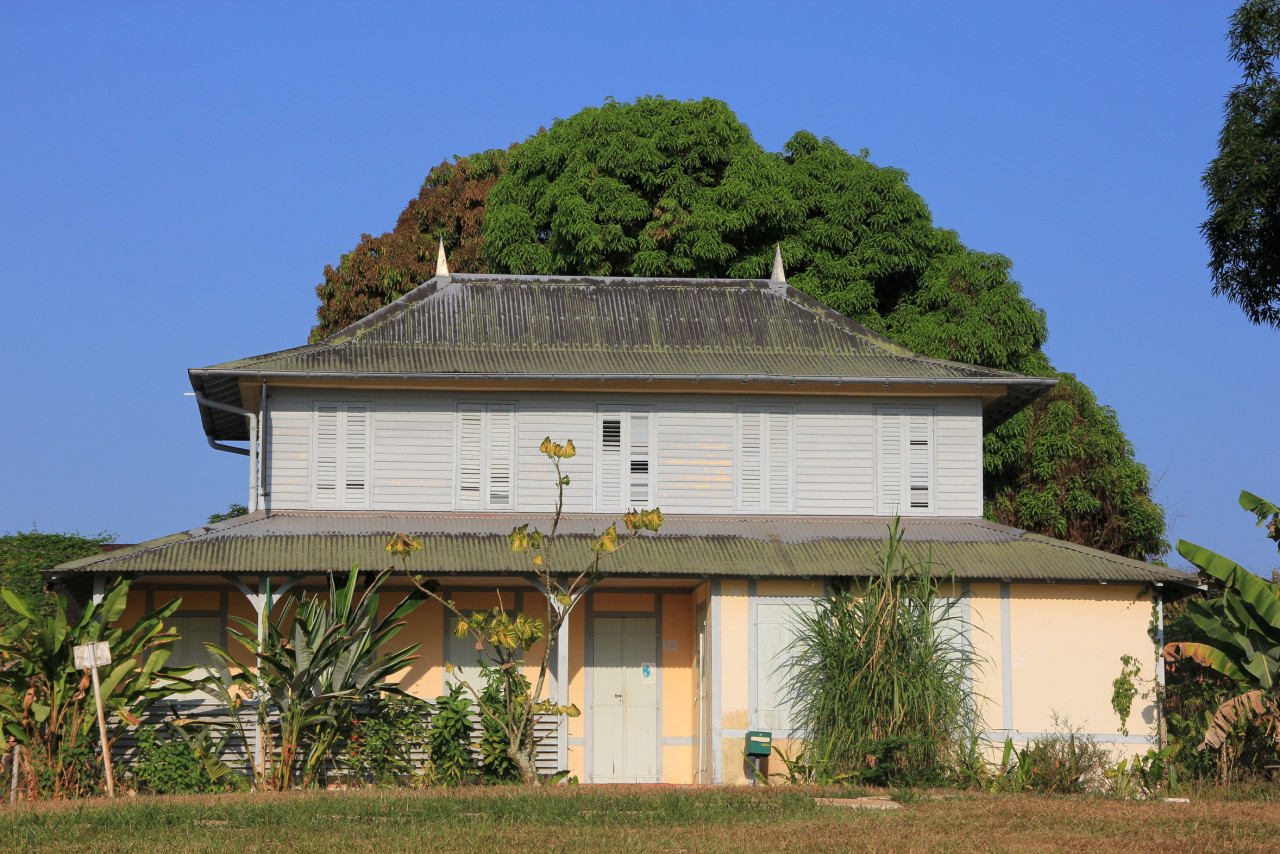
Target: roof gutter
x=253, y=452
x=744, y=378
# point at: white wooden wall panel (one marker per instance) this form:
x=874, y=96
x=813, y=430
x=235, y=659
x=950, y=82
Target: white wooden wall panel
x=692, y=446
x=559, y=418
x=288, y=452
x=413, y=454
x=695, y=456
x=835, y=459
x=958, y=455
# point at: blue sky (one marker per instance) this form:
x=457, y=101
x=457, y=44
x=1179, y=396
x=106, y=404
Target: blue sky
x=174, y=177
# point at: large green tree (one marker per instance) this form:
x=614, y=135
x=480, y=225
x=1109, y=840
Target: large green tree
x=25, y=554
x=449, y=206
x=1243, y=181
x=680, y=188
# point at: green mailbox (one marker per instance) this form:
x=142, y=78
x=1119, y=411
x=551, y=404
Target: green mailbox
x=759, y=743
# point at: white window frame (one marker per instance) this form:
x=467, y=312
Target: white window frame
x=626, y=457
x=903, y=506
x=487, y=453
x=767, y=420
x=343, y=463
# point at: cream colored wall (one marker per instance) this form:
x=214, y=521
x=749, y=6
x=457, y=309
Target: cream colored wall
x=1065, y=643
x=678, y=676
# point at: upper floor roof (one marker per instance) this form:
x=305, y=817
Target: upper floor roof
x=557, y=329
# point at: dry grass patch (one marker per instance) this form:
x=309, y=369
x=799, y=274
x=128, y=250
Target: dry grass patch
x=643, y=819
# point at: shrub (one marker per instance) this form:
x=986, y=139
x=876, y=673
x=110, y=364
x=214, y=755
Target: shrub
x=168, y=766
x=385, y=735
x=878, y=672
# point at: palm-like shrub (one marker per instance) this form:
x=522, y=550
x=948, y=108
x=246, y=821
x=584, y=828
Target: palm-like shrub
x=879, y=674
x=46, y=702
x=1243, y=627
x=319, y=657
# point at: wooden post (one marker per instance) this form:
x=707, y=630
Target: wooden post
x=13, y=773
x=90, y=656
x=102, y=731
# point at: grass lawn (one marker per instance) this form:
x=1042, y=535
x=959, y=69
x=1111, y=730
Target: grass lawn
x=632, y=818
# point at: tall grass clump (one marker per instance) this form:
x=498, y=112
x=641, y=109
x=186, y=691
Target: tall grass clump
x=879, y=673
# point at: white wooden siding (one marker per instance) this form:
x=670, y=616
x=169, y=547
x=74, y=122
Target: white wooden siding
x=835, y=459
x=694, y=456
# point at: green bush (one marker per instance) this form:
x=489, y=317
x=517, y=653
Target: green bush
x=879, y=675
x=449, y=737
x=168, y=765
x=385, y=735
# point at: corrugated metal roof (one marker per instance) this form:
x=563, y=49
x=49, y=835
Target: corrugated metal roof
x=699, y=546
x=527, y=326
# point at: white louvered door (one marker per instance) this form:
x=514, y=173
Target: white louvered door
x=486, y=456
x=904, y=461
x=638, y=469
x=340, y=455
x=766, y=461
x=624, y=473
x=501, y=452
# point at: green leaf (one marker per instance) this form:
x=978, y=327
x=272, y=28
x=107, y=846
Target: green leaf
x=19, y=604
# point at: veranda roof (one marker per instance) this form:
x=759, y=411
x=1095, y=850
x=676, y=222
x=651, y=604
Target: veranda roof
x=459, y=544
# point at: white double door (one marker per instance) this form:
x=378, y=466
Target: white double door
x=624, y=702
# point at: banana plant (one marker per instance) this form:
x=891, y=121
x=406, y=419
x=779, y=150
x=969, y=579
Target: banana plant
x=46, y=702
x=320, y=656
x=1243, y=627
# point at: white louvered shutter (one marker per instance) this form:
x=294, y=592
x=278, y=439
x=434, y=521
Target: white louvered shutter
x=779, y=461
x=500, y=435
x=904, y=461
x=889, y=463
x=355, y=456
x=324, y=482
x=470, y=456
x=639, y=482
x=750, y=461
x=610, y=495
x=919, y=454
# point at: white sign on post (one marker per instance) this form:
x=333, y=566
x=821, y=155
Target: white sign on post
x=92, y=655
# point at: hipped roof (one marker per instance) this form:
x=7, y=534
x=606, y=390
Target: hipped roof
x=461, y=544
x=495, y=327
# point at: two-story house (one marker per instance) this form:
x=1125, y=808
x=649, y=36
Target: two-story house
x=777, y=436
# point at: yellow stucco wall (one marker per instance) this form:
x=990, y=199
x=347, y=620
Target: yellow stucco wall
x=1065, y=645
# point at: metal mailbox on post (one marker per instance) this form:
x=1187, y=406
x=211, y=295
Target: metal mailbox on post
x=759, y=743
x=759, y=746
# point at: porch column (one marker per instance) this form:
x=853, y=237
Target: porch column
x=562, y=695
x=261, y=603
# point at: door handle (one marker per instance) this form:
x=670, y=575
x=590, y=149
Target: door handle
x=619, y=696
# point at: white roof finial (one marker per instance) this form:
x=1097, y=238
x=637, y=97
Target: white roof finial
x=779, y=275
x=442, y=266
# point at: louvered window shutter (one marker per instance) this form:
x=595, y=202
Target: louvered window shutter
x=919, y=462
x=501, y=429
x=610, y=459
x=750, y=461
x=905, y=476
x=890, y=463
x=638, y=460
x=355, y=456
x=779, y=453
x=470, y=456
x=324, y=491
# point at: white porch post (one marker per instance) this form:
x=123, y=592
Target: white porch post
x=261, y=603
x=562, y=695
